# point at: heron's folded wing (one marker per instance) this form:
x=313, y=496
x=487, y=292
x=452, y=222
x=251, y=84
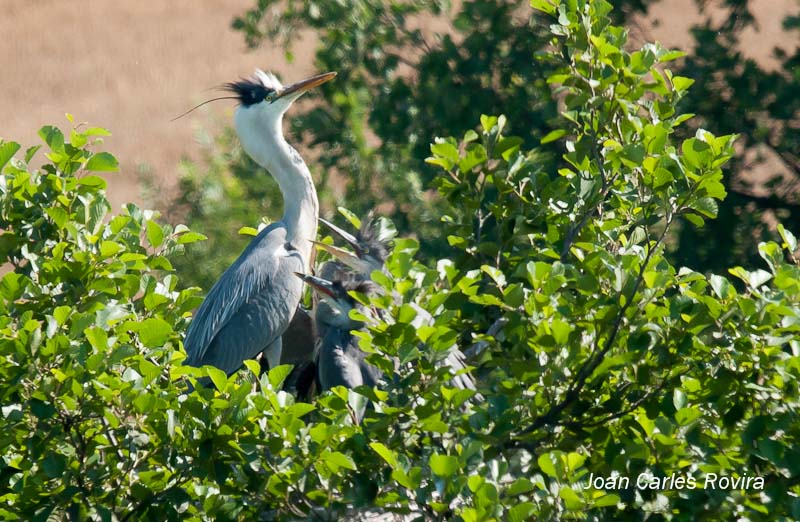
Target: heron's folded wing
x=248, y=276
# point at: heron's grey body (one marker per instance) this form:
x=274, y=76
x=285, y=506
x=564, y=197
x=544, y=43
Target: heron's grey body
x=252, y=304
x=250, y=307
x=342, y=363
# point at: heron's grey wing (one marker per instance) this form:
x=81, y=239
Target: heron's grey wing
x=262, y=273
x=458, y=366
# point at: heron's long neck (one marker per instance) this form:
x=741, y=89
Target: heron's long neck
x=300, y=205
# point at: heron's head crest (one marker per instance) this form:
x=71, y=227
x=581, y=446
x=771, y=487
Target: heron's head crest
x=375, y=237
x=256, y=88
x=357, y=284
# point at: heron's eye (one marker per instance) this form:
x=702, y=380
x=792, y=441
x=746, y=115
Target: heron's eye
x=270, y=97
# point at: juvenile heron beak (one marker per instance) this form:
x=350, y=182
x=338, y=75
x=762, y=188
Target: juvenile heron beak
x=341, y=254
x=347, y=236
x=321, y=285
x=296, y=89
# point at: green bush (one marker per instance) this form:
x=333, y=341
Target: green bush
x=596, y=356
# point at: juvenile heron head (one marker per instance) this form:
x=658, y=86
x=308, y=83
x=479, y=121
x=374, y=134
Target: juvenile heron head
x=370, y=248
x=335, y=300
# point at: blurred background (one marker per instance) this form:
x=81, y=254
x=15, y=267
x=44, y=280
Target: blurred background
x=409, y=71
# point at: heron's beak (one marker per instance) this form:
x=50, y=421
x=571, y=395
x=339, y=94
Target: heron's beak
x=321, y=285
x=341, y=254
x=348, y=258
x=347, y=236
x=295, y=90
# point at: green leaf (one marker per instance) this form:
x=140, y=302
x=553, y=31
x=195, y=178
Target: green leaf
x=279, y=374
x=53, y=137
x=97, y=337
x=721, y=286
x=547, y=464
x=487, y=122
x=789, y=240
x=155, y=234
x=696, y=153
x=248, y=231
x=30, y=153
x=445, y=149
x=680, y=84
x=520, y=486
x=102, y=162
x=93, y=181
x=521, y=512
x=191, y=237
x=385, y=453
x=708, y=207
x=611, y=499
x=349, y=216
x=443, y=465
x=507, y=146
x=678, y=399
x=7, y=151
x=77, y=139
x=336, y=460
x=109, y=248
x=217, y=376
x=476, y=155
x=546, y=6
x=58, y=215
x=96, y=131
x=61, y=313
x=571, y=499
x=669, y=56
x=153, y=332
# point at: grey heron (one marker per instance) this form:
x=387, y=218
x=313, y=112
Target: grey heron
x=340, y=362
x=370, y=254
x=251, y=305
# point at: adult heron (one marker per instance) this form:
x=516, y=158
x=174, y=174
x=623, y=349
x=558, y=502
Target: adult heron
x=251, y=305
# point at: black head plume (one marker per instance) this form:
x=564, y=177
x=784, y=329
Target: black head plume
x=369, y=238
x=248, y=91
x=349, y=281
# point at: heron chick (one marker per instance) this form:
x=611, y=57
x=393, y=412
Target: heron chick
x=370, y=250
x=340, y=362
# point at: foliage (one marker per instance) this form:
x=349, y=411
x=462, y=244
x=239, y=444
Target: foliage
x=595, y=354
